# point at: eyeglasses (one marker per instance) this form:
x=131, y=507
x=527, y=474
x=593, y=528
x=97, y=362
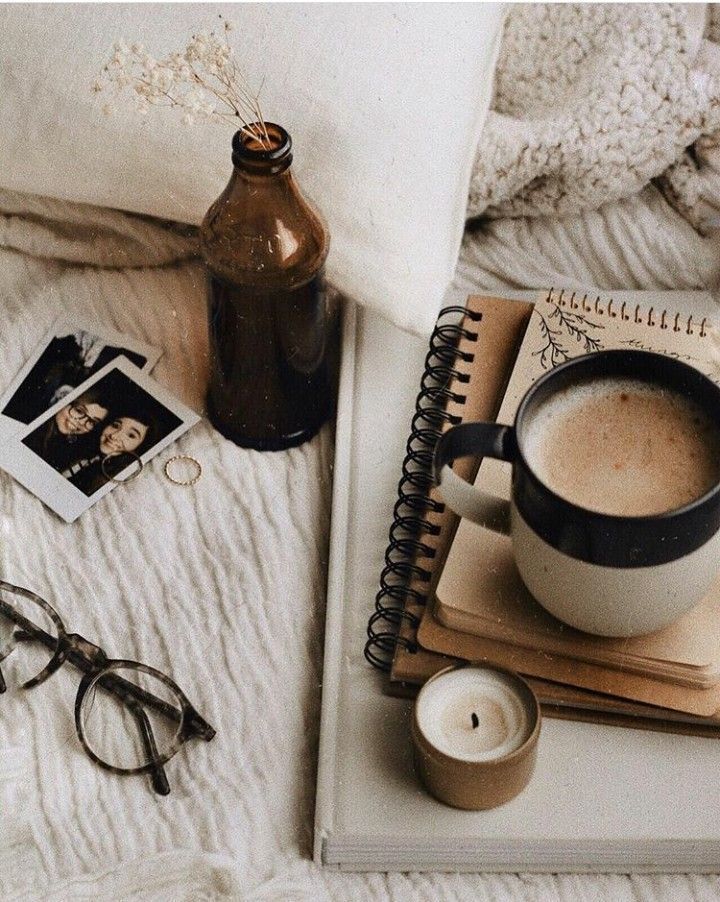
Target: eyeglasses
x=79, y=413
x=130, y=718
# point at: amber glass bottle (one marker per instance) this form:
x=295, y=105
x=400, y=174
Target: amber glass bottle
x=264, y=247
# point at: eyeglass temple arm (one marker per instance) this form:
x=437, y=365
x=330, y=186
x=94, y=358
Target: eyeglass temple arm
x=196, y=725
x=158, y=776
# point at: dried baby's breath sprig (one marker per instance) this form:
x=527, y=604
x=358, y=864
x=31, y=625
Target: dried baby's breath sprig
x=203, y=81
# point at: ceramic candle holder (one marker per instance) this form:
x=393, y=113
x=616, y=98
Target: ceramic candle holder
x=475, y=731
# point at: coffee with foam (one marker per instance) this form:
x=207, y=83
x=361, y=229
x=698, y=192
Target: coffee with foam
x=623, y=446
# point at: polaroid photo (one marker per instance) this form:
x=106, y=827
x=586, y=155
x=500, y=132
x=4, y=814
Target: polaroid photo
x=100, y=434
x=69, y=354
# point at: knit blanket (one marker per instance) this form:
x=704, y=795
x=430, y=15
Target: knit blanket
x=592, y=101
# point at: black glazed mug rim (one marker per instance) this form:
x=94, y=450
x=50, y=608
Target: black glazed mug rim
x=582, y=362
x=611, y=539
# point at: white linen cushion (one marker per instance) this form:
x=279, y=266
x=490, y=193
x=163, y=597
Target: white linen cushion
x=384, y=102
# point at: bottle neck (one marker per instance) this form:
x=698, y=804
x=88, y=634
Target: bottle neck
x=261, y=230
x=262, y=149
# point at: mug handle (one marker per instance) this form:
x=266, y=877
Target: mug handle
x=466, y=440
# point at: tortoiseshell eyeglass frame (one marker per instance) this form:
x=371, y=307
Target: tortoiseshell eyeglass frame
x=98, y=670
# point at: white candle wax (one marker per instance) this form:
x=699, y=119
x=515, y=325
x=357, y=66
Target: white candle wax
x=473, y=714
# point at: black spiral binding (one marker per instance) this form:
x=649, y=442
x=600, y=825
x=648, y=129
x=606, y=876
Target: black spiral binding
x=407, y=541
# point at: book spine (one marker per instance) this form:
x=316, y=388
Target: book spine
x=413, y=533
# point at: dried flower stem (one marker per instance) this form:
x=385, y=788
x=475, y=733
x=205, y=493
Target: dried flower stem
x=202, y=80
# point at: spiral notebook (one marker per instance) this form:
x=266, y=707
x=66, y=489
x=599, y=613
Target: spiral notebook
x=677, y=668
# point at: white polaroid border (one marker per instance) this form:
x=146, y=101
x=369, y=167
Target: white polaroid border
x=60, y=328
x=53, y=489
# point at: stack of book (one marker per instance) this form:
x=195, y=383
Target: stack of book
x=457, y=593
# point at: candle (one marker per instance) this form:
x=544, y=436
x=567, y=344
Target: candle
x=475, y=732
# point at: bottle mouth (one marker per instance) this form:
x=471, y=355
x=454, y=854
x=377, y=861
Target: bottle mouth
x=269, y=151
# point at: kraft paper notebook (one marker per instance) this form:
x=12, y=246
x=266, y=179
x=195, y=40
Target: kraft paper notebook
x=501, y=611
x=602, y=799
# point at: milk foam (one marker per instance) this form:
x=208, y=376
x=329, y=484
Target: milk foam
x=623, y=446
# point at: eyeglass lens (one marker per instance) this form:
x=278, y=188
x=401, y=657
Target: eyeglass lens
x=121, y=729
x=28, y=638
x=80, y=413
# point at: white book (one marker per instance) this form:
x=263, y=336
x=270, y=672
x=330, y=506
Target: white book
x=602, y=799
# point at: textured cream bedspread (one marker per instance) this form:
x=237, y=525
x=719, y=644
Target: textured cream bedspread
x=222, y=585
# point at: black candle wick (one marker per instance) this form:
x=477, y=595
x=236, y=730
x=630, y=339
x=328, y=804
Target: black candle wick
x=475, y=721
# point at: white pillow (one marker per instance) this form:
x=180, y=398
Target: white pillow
x=384, y=103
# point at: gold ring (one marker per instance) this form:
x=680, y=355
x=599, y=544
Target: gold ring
x=184, y=457
x=118, y=454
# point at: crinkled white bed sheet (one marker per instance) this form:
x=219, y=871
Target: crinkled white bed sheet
x=222, y=585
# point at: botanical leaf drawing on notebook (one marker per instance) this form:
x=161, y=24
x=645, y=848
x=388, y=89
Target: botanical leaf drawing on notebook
x=557, y=329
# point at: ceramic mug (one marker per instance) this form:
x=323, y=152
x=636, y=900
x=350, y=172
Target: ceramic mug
x=607, y=574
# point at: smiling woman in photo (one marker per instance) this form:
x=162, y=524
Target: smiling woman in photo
x=124, y=434
x=60, y=439
x=119, y=443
